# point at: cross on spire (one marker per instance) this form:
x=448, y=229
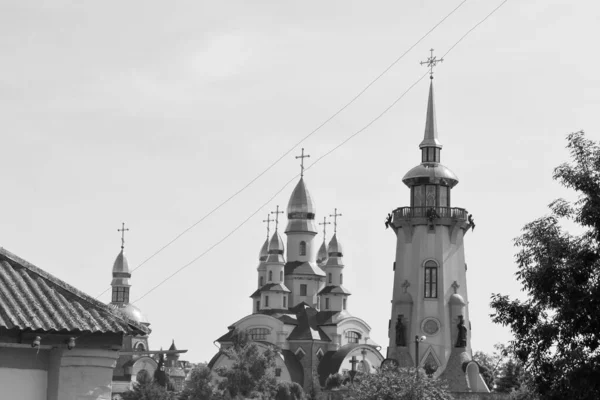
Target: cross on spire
x=268, y=221
x=277, y=217
x=335, y=215
x=324, y=223
x=431, y=62
x=302, y=157
x=122, y=230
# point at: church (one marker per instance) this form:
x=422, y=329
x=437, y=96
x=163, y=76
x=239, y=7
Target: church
x=300, y=304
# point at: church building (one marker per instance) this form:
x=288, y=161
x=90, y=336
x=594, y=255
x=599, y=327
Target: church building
x=300, y=305
x=430, y=323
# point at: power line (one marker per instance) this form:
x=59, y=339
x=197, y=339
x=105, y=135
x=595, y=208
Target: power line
x=360, y=93
x=320, y=158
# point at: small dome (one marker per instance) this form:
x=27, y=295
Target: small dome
x=264, y=251
x=121, y=265
x=457, y=299
x=276, y=249
x=301, y=203
x=432, y=173
x=335, y=247
x=404, y=298
x=322, y=254
x=133, y=313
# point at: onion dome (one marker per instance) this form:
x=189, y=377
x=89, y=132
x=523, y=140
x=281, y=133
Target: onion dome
x=335, y=253
x=133, y=313
x=457, y=299
x=120, y=270
x=322, y=254
x=301, y=210
x=264, y=251
x=276, y=249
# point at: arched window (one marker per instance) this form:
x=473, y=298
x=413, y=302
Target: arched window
x=266, y=301
x=302, y=248
x=261, y=282
x=140, y=347
x=341, y=279
x=281, y=276
x=258, y=333
x=330, y=279
x=353, y=337
x=270, y=276
x=431, y=278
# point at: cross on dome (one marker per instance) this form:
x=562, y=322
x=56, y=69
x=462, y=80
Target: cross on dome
x=122, y=230
x=324, y=223
x=335, y=215
x=431, y=62
x=277, y=217
x=302, y=157
x=268, y=221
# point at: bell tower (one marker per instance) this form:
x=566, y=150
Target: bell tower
x=430, y=288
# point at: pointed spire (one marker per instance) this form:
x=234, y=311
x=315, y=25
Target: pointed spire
x=431, y=135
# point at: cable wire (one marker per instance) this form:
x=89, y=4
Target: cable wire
x=385, y=111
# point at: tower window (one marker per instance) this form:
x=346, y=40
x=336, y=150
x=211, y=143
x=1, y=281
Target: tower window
x=341, y=279
x=303, y=290
x=431, y=270
x=318, y=303
x=258, y=306
x=344, y=304
x=353, y=337
x=120, y=295
x=303, y=248
x=258, y=333
x=284, y=302
x=260, y=281
x=281, y=276
x=330, y=278
x=327, y=304
x=444, y=198
x=430, y=196
x=270, y=276
x=266, y=301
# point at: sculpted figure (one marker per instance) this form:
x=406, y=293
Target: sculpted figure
x=461, y=340
x=400, y=338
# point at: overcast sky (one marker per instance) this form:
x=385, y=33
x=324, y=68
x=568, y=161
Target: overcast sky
x=153, y=113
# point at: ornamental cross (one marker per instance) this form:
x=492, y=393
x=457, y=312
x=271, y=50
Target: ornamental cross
x=354, y=361
x=268, y=221
x=302, y=157
x=324, y=223
x=122, y=230
x=277, y=217
x=335, y=215
x=455, y=286
x=431, y=62
x=405, y=285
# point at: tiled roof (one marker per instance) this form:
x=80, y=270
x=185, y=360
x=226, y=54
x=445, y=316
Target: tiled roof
x=335, y=290
x=31, y=298
x=303, y=268
x=271, y=287
x=307, y=328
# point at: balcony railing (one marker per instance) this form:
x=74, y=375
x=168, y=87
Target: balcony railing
x=430, y=212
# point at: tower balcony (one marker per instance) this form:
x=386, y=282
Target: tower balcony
x=426, y=215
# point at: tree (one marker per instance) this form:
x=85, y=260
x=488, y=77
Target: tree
x=250, y=373
x=556, y=331
x=147, y=389
x=289, y=391
x=398, y=384
x=199, y=384
x=487, y=366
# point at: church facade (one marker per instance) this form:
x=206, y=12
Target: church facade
x=300, y=305
x=430, y=325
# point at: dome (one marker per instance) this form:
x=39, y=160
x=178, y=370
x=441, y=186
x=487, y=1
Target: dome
x=335, y=247
x=301, y=204
x=276, y=249
x=457, y=299
x=133, y=313
x=121, y=265
x=264, y=251
x=432, y=173
x=322, y=254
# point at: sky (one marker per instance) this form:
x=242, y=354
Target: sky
x=154, y=113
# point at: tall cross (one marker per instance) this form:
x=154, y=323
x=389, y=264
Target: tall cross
x=431, y=62
x=268, y=221
x=122, y=230
x=324, y=223
x=302, y=157
x=277, y=217
x=335, y=215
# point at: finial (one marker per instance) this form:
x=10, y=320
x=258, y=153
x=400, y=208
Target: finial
x=405, y=285
x=122, y=230
x=335, y=215
x=324, y=223
x=431, y=62
x=302, y=157
x=277, y=217
x=268, y=221
x=455, y=286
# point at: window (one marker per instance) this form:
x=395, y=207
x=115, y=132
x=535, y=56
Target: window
x=444, y=198
x=140, y=347
x=344, y=304
x=266, y=301
x=284, y=302
x=281, y=276
x=270, y=276
x=353, y=337
x=303, y=290
x=318, y=303
x=330, y=278
x=277, y=372
x=261, y=282
x=258, y=333
x=327, y=304
x=341, y=279
x=303, y=248
x=431, y=270
x=120, y=295
x=430, y=195
x=258, y=306
x=418, y=196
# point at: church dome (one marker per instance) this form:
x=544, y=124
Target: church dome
x=322, y=254
x=121, y=264
x=335, y=247
x=133, y=313
x=430, y=173
x=301, y=203
x=264, y=251
x=457, y=299
x=276, y=249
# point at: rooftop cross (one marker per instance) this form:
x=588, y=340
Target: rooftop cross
x=302, y=157
x=335, y=215
x=277, y=217
x=431, y=62
x=268, y=221
x=122, y=230
x=324, y=223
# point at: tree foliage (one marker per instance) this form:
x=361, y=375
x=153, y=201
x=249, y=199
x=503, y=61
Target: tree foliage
x=487, y=367
x=146, y=388
x=250, y=374
x=199, y=385
x=557, y=333
x=398, y=384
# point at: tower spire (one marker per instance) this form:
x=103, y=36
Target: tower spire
x=430, y=138
x=431, y=62
x=268, y=221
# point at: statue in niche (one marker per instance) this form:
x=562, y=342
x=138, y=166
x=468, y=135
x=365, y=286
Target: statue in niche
x=461, y=340
x=400, y=337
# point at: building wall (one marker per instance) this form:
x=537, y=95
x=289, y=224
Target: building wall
x=23, y=373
